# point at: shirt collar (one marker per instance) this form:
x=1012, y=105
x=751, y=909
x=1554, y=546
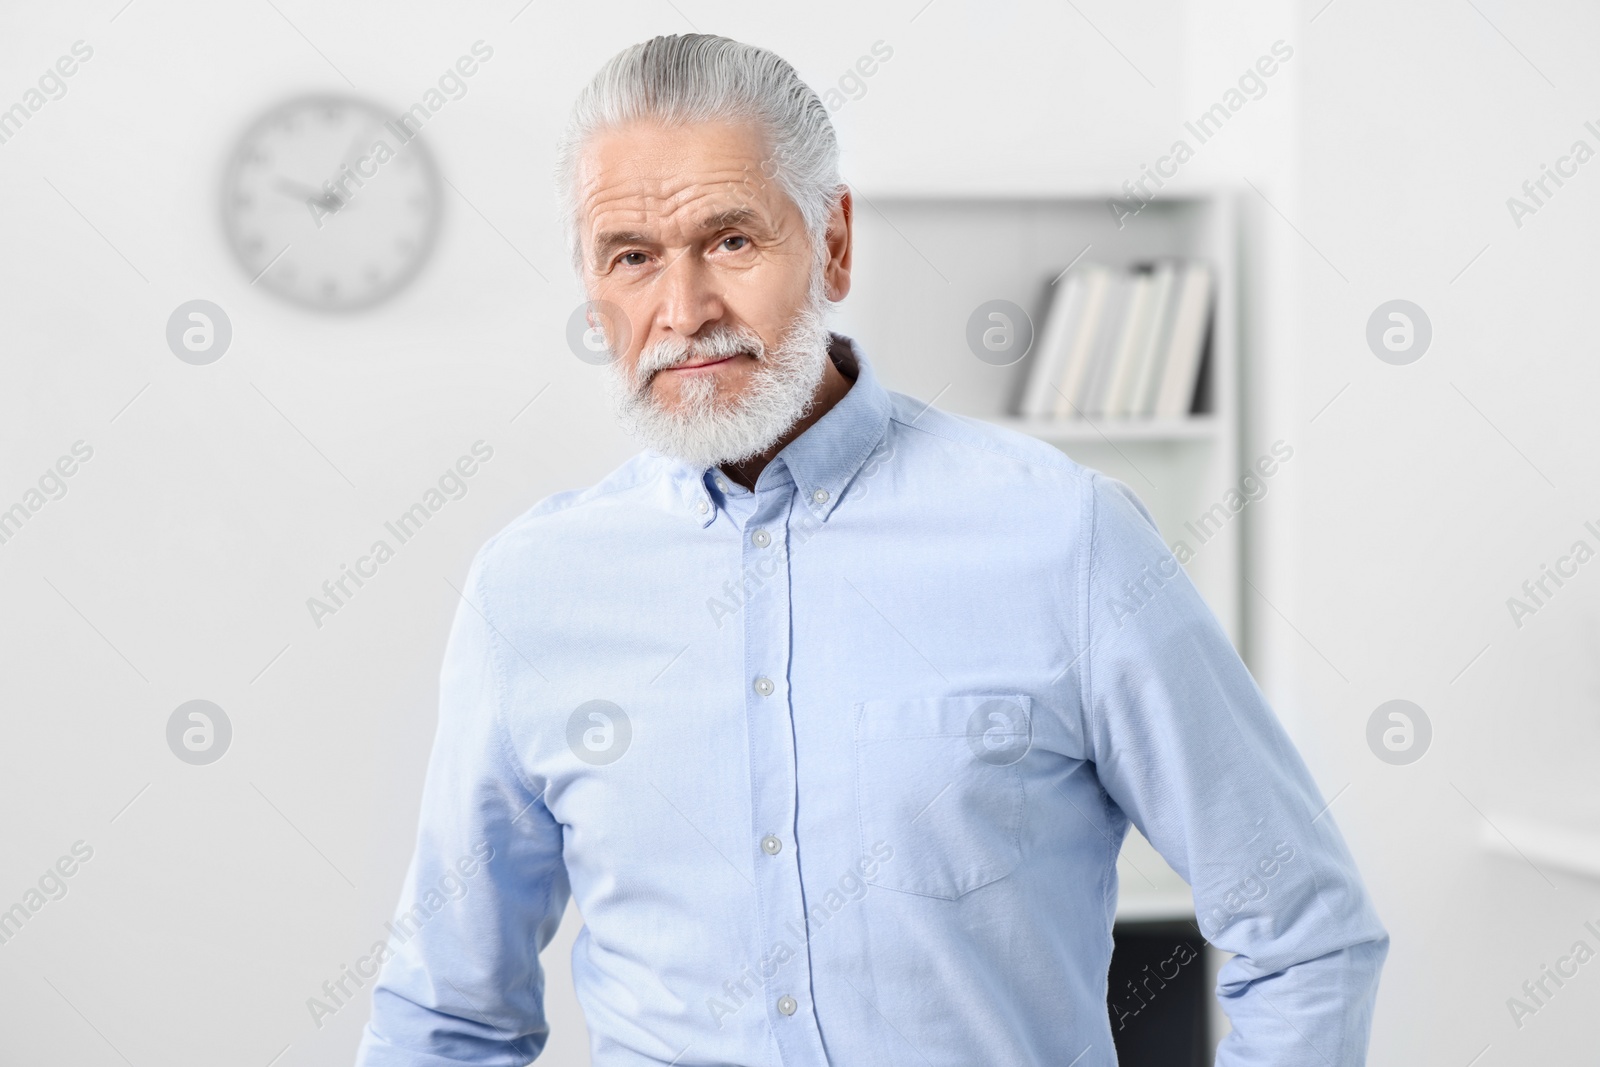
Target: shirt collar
x=820, y=462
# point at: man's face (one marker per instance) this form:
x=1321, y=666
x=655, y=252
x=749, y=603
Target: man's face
x=708, y=262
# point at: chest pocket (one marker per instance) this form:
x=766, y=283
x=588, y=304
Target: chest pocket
x=936, y=780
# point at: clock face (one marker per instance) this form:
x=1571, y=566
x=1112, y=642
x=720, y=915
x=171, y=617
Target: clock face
x=331, y=202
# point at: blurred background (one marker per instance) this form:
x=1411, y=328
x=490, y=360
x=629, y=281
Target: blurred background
x=223, y=384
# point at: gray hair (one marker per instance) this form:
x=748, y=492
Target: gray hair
x=698, y=77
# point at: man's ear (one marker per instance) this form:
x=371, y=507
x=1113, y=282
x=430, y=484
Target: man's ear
x=839, y=239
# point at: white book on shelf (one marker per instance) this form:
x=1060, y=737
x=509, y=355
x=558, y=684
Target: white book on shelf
x=1054, y=346
x=1125, y=363
x=1108, y=332
x=1140, y=398
x=1186, y=343
x=1096, y=280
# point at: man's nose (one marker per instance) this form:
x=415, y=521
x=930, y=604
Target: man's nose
x=689, y=299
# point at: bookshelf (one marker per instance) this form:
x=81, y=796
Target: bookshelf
x=924, y=262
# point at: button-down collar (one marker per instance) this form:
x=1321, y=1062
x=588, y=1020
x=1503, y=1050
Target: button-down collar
x=820, y=462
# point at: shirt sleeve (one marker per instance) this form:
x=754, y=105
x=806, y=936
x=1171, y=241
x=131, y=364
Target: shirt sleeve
x=1186, y=745
x=486, y=886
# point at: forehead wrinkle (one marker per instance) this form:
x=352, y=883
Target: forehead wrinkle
x=661, y=196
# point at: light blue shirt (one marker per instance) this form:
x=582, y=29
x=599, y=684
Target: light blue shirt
x=838, y=771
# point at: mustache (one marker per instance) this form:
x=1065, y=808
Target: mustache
x=718, y=344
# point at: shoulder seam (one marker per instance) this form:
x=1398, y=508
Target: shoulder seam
x=575, y=498
x=1067, y=466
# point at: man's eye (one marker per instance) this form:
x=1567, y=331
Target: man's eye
x=735, y=237
x=627, y=259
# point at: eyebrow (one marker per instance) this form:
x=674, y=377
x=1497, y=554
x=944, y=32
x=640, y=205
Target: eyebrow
x=609, y=241
x=733, y=216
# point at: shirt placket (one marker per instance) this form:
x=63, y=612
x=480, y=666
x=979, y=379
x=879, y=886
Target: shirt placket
x=785, y=968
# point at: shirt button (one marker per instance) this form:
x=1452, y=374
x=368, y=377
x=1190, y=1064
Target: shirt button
x=820, y=496
x=761, y=538
x=722, y=485
x=786, y=1004
x=703, y=507
x=771, y=845
x=764, y=686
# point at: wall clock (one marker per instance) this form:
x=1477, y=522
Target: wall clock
x=331, y=203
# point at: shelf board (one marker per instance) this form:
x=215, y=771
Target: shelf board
x=1149, y=890
x=1539, y=842
x=1154, y=907
x=1195, y=428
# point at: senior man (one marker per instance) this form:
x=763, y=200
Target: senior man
x=829, y=708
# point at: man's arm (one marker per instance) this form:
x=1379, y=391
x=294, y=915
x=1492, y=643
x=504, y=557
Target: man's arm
x=486, y=886
x=1185, y=743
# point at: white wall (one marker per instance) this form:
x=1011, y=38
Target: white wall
x=1431, y=491
x=178, y=564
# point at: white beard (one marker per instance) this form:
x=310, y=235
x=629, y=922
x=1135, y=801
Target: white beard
x=704, y=433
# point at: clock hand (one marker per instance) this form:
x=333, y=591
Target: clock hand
x=299, y=191
x=353, y=155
